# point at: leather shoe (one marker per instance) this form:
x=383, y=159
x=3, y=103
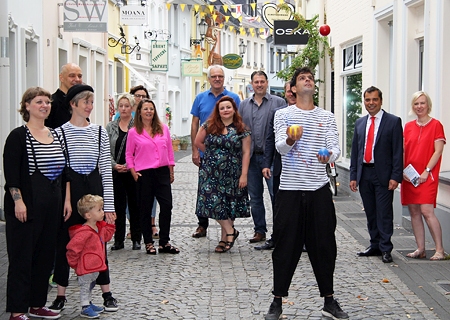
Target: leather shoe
x=200, y=232
x=258, y=237
x=274, y=313
x=136, y=245
x=369, y=252
x=268, y=245
x=386, y=257
x=117, y=246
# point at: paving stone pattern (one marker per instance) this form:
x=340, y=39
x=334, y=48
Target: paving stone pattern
x=201, y=284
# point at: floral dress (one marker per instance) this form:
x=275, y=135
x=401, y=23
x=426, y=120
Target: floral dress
x=219, y=195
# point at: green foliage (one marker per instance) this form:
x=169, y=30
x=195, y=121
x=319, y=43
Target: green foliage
x=312, y=52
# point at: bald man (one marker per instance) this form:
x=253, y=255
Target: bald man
x=69, y=76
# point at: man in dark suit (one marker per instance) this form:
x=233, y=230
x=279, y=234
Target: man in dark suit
x=377, y=168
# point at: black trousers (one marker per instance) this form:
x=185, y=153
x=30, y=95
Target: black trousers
x=79, y=186
x=377, y=201
x=31, y=246
x=125, y=194
x=304, y=217
x=155, y=183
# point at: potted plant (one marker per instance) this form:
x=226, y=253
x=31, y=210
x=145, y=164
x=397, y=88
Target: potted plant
x=184, y=142
x=175, y=143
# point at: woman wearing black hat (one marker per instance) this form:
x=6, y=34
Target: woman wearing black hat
x=90, y=171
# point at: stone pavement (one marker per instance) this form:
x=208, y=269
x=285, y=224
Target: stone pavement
x=201, y=284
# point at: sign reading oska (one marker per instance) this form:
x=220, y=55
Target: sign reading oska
x=85, y=15
x=284, y=32
x=159, y=55
x=133, y=15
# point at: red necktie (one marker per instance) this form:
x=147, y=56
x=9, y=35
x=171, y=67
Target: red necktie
x=369, y=142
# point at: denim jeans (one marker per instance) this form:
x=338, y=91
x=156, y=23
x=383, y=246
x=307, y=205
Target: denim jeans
x=256, y=191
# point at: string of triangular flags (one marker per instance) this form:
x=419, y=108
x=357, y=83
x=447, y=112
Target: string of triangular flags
x=236, y=11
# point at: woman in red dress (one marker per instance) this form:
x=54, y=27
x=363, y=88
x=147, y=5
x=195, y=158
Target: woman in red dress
x=424, y=140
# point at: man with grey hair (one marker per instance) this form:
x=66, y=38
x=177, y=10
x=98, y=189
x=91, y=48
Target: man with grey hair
x=201, y=110
x=69, y=76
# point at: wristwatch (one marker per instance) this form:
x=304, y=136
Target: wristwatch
x=428, y=170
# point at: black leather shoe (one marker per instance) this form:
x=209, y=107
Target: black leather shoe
x=136, y=245
x=369, y=252
x=274, y=313
x=117, y=246
x=386, y=257
x=268, y=245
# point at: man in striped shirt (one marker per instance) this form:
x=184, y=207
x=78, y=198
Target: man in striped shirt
x=304, y=209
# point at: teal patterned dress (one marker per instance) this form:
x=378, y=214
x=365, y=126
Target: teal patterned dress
x=219, y=196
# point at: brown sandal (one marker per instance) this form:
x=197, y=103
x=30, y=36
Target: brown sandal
x=417, y=254
x=221, y=247
x=438, y=256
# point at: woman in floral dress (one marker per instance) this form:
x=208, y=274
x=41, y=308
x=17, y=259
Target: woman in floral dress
x=222, y=188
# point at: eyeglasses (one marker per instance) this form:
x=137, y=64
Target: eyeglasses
x=140, y=96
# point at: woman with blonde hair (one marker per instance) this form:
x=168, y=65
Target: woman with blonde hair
x=424, y=141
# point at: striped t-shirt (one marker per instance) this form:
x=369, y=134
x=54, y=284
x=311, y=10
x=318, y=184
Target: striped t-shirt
x=49, y=159
x=300, y=168
x=83, y=153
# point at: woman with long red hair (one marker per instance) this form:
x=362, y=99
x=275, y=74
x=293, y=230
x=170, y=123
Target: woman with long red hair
x=222, y=186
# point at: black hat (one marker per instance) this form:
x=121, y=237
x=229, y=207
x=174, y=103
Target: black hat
x=76, y=89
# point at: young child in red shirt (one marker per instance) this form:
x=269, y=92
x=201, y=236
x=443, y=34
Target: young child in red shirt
x=86, y=250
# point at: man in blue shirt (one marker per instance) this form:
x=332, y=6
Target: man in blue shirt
x=201, y=110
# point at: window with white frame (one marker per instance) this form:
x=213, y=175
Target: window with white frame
x=352, y=93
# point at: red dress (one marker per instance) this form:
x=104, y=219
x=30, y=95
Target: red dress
x=418, y=148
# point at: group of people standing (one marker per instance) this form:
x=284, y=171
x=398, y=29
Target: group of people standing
x=60, y=162
x=56, y=160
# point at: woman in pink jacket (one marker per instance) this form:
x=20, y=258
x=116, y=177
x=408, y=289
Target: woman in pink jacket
x=149, y=156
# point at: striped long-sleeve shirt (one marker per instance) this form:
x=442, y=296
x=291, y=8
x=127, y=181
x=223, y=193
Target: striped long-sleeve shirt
x=83, y=151
x=301, y=169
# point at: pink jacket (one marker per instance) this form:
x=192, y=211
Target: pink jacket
x=86, y=248
x=144, y=152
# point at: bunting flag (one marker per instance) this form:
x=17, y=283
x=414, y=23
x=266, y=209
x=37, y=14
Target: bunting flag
x=211, y=8
x=196, y=7
x=225, y=8
x=253, y=5
x=214, y=16
x=240, y=19
x=227, y=18
x=236, y=10
x=182, y=6
x=168, y=5
x=231, y=28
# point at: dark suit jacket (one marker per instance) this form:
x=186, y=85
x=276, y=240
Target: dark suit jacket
x=388, y=150
x=271, y=155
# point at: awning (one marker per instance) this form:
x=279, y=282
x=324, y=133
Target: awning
x=150, y=87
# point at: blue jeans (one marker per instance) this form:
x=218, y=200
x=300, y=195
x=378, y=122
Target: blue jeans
x=256, y=190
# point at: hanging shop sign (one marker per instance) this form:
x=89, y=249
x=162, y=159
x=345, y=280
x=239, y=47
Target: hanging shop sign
x=192, y=68
x=159, y=55
x=270, y=12
x=284, y=33
x=232, y=61
x=85, y=15
x=133, y=15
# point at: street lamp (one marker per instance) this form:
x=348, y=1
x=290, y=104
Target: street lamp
x=202, y=27
x=242, y=48
x=125, y=48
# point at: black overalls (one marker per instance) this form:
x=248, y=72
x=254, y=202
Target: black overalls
x=31, y=245
x=80, y=185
